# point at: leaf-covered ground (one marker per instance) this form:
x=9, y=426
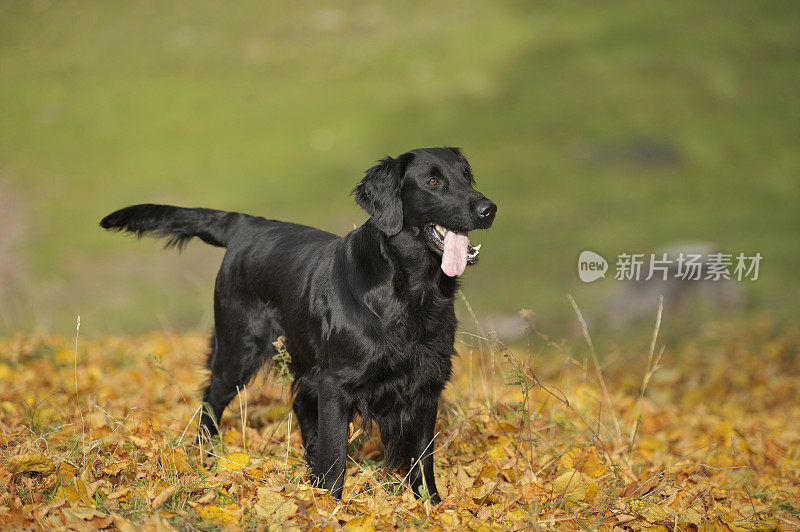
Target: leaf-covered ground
x=705, y=434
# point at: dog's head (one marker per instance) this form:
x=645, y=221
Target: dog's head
x=430, y=193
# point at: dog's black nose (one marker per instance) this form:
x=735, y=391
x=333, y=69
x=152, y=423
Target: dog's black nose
x=486, y=209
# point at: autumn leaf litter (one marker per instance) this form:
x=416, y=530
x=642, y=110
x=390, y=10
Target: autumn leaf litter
x=705, y=434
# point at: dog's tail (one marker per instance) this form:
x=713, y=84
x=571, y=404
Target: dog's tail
x=178, y=224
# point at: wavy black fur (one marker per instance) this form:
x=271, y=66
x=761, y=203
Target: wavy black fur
x=368, y=318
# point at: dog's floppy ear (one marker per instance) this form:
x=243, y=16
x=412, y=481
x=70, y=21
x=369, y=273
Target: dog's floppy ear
x=379, y=194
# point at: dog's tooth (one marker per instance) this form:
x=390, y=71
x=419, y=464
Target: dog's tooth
x=477, y=248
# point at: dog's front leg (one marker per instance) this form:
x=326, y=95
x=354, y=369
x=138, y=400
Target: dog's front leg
x=421, y=449
x=331, y=449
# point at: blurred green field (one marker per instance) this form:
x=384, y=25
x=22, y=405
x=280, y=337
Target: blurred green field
x=613, y=126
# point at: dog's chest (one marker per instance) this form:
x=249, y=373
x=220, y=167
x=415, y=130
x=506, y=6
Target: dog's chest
x=417, y=360
x=397, y=381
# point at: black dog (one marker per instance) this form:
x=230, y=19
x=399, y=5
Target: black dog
x=368, y=318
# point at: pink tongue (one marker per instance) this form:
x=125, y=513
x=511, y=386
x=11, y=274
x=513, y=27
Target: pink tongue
x=454, y=255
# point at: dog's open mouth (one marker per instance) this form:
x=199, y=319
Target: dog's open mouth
x=456, y=250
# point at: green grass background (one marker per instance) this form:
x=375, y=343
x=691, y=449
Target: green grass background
x=616, y=126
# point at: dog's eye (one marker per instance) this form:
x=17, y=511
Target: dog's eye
x=433, y=181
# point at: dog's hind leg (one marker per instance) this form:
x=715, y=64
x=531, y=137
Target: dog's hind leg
x=305, y=407
x=242, y=343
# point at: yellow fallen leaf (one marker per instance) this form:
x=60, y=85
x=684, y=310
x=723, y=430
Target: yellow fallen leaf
x=482, y=492
x=488, y=472
x=233, y=438
x=119, y=494
x=649, y=510
x=574, y=486
x=115, y=468
x=76, y=493
x=67, y=471
x=30, y=463
x=176, y=460
x=216, y=514
x=360, y=524
x=496, y=453
x=154, y=524
x=284, y=512
x=765, y=525
x=452, y=519
x=205, y=499
x=584, y=459
x=463, y=479
x=147, y=446
x=254, y=473
x=268, y=495
x=122, y=524
x=270, y=504
x=728, y=514
x=531, y=491
x=511, y=474
x=233, y=462
x=85, y=513
x=261, y=510
x=691, y=516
